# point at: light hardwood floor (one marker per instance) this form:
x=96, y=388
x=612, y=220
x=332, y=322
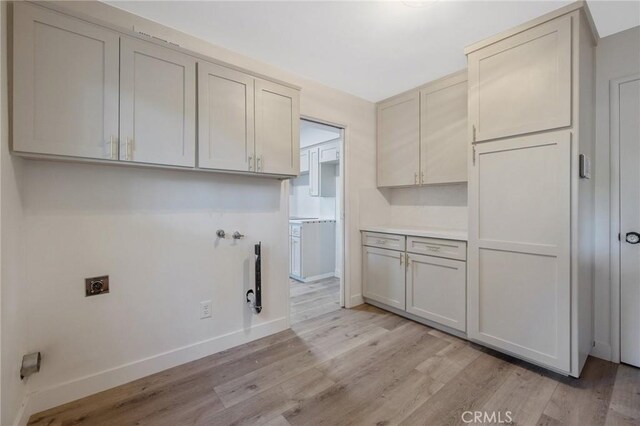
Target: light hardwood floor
x=309, y=300
x=360, y=366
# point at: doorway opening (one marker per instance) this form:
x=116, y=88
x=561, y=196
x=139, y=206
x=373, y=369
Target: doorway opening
x=316, y=224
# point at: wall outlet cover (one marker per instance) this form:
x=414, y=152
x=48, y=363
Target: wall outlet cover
x=205, y=309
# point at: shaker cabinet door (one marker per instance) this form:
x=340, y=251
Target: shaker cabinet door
x=225, y=118
x=65, y=85
x=383, y=276
x=399, y=141
x=277, y=129
x=522, y=84
x=157, y=104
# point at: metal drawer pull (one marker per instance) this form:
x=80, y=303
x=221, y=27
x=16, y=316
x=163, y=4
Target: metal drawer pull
x=433, y=248
x=381, y=241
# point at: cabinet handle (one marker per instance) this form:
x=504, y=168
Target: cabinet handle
x=433, y=248
x=260, y=163
x=250, y=162
x=421, y=178
x=381, y=241
x=128, y=155
x=401, y=256
x=474, y=132
x=113, y=147
x=408, y=259
x=415, y=178
x=474, y=155
x=337, y=155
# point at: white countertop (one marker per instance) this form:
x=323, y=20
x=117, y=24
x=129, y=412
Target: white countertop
x=443, y=233
x=311, y=220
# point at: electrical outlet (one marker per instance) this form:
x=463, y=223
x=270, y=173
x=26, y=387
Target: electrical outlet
x=205, y=309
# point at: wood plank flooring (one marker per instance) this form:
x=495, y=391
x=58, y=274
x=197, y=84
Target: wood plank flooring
x=310, y=300
x=360, y=366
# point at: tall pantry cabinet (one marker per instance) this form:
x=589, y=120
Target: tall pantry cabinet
x=530, y=251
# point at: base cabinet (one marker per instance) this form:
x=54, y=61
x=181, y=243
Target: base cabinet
x=436, y=289
x=384, y=276
x=432, y=286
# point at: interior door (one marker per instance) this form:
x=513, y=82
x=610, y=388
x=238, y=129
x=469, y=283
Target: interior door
x=519, y=247
x=436, y=289
x=277, y=128
x=522, y=84
x=225, y=118
x=629, y=134
x=65, y=85
x=157, y=104
x=399, y=141
x=384, y=276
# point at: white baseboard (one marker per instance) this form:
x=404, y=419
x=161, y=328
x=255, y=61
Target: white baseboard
x=62, y=393
x=355, y=300
x=22, y=417
x=602, y=350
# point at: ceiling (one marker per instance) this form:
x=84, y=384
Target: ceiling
x=371, y=49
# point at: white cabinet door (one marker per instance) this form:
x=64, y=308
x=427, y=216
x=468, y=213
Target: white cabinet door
x=443, y=131
x=225, y=118
x=519, y=253
x=65, y=85
x=157, y=104
x=383, y=275
x=522, y=84
x=330, y=153
x=304, y=161
x=399, y=141
x=295, y=258
x=314, y=173
x=277, y=110
x=436, y=290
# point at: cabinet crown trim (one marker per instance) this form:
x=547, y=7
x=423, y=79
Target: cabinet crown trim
x=577, y=5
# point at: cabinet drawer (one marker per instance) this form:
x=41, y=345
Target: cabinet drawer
x=295, y=230
x=388, y=241
x=433, y=247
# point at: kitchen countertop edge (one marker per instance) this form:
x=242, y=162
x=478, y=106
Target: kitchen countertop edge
x=441, y=233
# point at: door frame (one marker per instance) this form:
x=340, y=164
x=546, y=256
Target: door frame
x=344, y=220
x=614, y=210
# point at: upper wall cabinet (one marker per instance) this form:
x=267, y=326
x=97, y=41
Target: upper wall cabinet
x=399, y=140
x=65, y=85
x=93, y=93
x=534, y=65
x=443, y=130
x=422, y=135
x=225, y=118
x=277, y=128
x=157, y=104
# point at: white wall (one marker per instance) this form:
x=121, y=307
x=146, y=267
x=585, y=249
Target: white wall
x=13, y=312
x=153, y=232
x=438, y=206
x=616, y=56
